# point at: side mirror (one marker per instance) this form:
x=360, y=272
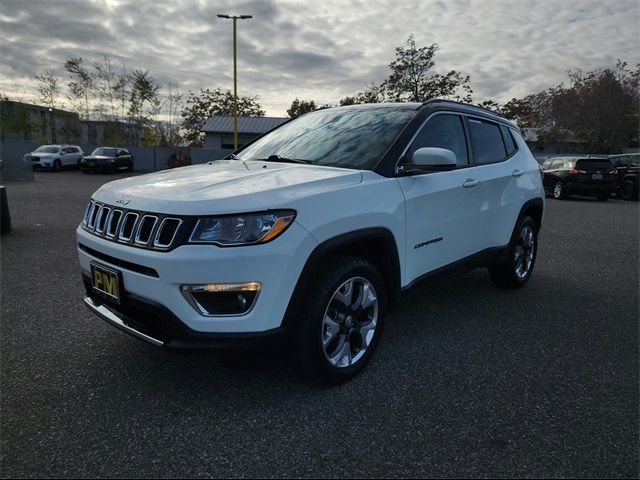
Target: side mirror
x=433, y=158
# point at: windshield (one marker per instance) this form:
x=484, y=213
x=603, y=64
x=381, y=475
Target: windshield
x=349, y=138
x=104, y=152
x=45, y=149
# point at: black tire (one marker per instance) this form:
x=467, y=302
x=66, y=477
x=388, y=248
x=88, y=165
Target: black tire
x=558, y=191
x=57, y=166
x=603, y=197
x=506, y=274
x=85, y=171
x=629, y=190
x=130, y=168
x=308, y=349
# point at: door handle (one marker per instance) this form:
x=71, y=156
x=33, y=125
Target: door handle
x=517, y=173
x=471, y=183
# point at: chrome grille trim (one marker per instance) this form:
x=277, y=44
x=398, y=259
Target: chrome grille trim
x=112, y=232
x=85, y=217
x=156, y=240
x=147, y=230
x=104, y=211
x=92, y=215
x=121, y=237
x=141, y=223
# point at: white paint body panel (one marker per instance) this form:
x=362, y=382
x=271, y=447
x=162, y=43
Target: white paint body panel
x=329, y=202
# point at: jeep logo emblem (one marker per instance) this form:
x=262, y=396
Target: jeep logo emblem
x=123, y=200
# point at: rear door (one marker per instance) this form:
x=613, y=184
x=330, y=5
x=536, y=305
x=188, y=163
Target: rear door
x=67, y=156
x=442, y=208
x=553, y=173
x=499, y=171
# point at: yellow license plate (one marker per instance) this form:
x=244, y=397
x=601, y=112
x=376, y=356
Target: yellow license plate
x=106, y=282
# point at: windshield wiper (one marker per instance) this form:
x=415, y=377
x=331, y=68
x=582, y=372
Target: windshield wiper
x=278, y=158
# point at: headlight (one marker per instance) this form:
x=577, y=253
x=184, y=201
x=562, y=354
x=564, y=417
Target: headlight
x=243, y=229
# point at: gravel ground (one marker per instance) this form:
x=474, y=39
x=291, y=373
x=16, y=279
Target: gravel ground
x=469, y=380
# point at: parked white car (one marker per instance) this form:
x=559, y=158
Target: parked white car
x=313, y=231
x=55, y=157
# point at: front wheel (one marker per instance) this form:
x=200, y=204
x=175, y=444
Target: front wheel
x=57, y=166
x=603, y=197
x=341, y=323
x=518, y=265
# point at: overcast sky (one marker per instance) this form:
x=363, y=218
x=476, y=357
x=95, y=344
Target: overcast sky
x=318, y=49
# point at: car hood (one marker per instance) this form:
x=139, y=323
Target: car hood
x=42, y=154
x=225, y=186
x=98, y=157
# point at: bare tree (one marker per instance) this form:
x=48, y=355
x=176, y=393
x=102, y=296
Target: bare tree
x=81, y=85
x=104, y=85
x=48, y=88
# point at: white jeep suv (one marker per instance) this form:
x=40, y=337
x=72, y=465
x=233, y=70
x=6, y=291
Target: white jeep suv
x=313, y=231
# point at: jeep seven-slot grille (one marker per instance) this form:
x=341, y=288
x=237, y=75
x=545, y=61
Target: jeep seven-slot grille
x=138, y=229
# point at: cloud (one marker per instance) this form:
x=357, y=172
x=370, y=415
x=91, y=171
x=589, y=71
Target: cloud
x=318, y=50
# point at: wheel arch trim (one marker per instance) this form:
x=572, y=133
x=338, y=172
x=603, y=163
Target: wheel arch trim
x=391, y=273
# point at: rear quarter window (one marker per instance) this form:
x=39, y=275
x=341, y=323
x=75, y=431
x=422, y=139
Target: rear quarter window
x=509, y=142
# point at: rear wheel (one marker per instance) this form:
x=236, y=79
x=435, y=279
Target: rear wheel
x=558, y=191
x=628, y=190
x=603, y=197
x=517, y=267
x=341, y=322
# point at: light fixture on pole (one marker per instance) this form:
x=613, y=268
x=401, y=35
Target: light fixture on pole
x=235, y=76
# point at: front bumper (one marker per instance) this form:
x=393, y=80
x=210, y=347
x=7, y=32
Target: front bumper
x=154, y=324
x=151, y=282
x=39, y=165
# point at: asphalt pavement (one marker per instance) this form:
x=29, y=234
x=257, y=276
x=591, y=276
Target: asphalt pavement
x=469, y=380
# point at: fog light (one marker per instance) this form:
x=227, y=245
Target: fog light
x=222, y=298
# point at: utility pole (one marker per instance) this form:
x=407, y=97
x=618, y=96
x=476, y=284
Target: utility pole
x=235, y=75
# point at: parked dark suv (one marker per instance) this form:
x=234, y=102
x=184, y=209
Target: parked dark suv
x=107, y=159
x=594, y=177
x=628, y=178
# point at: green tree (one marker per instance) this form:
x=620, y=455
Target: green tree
x=202, y=106
x=48, y=88
x=300, y=107
x=144, y=101
x=600, y=108
x=81, y=85
x=412, y=79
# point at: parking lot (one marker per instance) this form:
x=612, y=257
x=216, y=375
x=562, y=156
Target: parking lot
x=469, y=379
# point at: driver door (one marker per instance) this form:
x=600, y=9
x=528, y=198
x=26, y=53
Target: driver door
x=443, y=209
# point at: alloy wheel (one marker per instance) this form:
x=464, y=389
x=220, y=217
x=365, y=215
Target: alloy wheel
x=350, y=322
x=524, y=252
x=557, y=190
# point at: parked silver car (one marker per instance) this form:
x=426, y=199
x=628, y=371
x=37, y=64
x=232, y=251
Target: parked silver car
x=55, y=157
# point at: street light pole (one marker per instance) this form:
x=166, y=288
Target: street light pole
x=235, y=75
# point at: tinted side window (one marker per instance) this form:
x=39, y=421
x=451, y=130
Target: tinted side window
x=486, y=141
x=444, y=131
x=508, y=140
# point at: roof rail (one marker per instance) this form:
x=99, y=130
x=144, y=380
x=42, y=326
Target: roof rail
x=442, y=100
